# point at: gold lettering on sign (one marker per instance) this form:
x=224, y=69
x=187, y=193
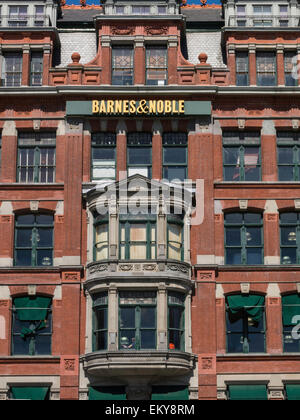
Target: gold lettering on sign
x=141, y=107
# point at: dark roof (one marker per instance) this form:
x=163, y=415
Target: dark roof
x=78, y=15
x=203, y=15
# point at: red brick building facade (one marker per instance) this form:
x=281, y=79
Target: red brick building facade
x=97, y=100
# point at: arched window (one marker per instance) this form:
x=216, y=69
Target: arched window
x=34, y=240
x=290, y=238
x=31, y=325
x=243, y=238
x=245, y=323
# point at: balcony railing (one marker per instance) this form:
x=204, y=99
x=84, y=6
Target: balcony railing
x=263, y=21
x=24, y=21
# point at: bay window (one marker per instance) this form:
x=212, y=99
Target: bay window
x=176, y=321
x=175, y=248
x=100, y=321
x=137, y=320
x=101, y=239
x=137, y=237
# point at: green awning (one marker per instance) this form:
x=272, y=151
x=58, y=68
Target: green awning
x=170, y=393
x=290, y=309
x=29, y=393
x=32, y=308
x=248, y=392
x=107, y=393
x=252, y=304
x=293, y=392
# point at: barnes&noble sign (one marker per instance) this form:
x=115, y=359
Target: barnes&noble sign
x=142, y=107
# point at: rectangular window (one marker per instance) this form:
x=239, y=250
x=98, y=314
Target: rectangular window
x=290, y=67
x=176, y=321
x=101, y=241
x=103, y=165
x=120, y=10
x=288, y=155
x=100, y=324
x=243, y=239
x=139, y=154
x=175, y=249
x=17, y=16
x=161, y=10
x=266, y=69
x=175, y=156
x=36, y=68
x=36, y=157
x=122, y=65
x=241, y=156
x=137, y=239
x=141, y=10
x=137, y=320
x=262, y=10
x=242, y=68
x=292, y=392
x=12, y=69
x=34, y=240
x=245, y=323
x=156, y=66
x=31, y=326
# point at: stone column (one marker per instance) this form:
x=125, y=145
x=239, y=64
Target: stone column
x=280, y=65
x=271, y=234
x=231, y=64
x=106, y=60
x=268, y=151
x=172, y=60
x=274, y=320
x=113, y=318
x=121, y=164
x=162, y=319
x=157, y=150
x=139, y=62
x=46, y=65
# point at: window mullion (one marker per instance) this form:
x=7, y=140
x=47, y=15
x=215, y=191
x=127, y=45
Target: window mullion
x=242, y=163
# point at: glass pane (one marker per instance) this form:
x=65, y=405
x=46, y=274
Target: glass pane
x=253, y=236
x=233, y=256
x=44, y=257
x=175, y=155
x=147, y=317
x=254, y=256
x=285, y=155
x=44, y=219
x=233, y=236
x=235, y=323
x=256, y=343
x=45, y=237
x=288, y=218
x=127, y=317
x=139, y=155
x=252, y=218
x=23, y=257
x=20, y=346
x=289, y=255
x=235, y=343
x=127, y=340
x=138, y=232
x=252, y=174
x=140, y=171
x=175, y=172
x=148, y=339
x=103, y=173
x=138, y=252
x=103, y=153
x=175, y=338
x=286, y=173
x=175, y=317
x=288, y=236
x=234, y=218
x=231, y=155
x=101, y=340
x=101, y=319
x=23, y=238
x=231, y=173
x=43, y=344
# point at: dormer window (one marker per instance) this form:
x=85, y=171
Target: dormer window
x=39, y=16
